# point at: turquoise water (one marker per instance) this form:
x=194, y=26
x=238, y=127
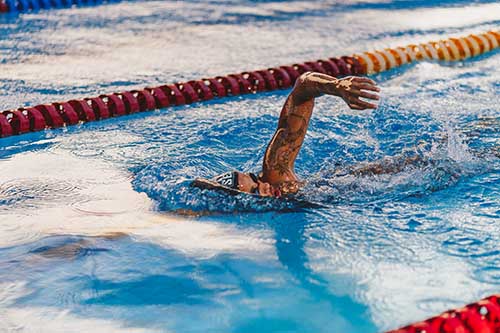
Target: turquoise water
x=89, y=238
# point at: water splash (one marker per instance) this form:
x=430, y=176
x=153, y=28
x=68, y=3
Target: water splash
x=415, y=172
x=443, y=165
x=177, y=194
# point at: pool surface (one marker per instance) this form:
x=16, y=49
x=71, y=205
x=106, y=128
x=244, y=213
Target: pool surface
x=90, y=235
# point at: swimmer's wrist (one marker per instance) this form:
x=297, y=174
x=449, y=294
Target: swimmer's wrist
x=336, y=91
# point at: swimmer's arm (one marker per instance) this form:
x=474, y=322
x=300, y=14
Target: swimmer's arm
x=350, y=88
x=280, y=155
x=389, y=166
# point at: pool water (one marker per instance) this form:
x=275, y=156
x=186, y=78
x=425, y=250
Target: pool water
x=90, y=237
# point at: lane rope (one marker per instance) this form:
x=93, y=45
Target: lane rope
x=14, y=6
x=479, y=317
x=57, y=114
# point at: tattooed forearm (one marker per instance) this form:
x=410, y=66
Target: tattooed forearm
x=285, y=144
x=280, y=154
x=312, y=85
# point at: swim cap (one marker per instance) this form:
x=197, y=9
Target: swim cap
x=228, y=179
x=226, y=182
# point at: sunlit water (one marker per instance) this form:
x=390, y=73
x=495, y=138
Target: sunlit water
x=89, y=240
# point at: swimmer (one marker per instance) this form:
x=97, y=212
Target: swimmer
x=278, y=177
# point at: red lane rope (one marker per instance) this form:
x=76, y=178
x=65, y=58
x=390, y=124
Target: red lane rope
x=479, y=317
x=54, y=115
x=3, y=7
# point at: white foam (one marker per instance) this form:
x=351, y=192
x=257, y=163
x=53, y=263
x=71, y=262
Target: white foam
x=101, y=200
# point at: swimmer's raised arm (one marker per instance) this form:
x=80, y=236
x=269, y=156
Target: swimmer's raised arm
x=280, y=155
x=311, y=85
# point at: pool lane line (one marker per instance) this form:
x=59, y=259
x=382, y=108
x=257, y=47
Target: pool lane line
x=58, y=114
x=3, y=7
x=14, y=6
x=451, y=49
x=479, y=317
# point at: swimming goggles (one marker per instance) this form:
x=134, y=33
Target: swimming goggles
x=230, y=179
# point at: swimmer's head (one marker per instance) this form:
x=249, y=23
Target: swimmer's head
x=237, y=182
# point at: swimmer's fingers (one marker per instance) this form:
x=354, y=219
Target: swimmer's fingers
x=357, y=104
x=365, y=94
x=364, y=80
x=366, y=86
x=356, y=107
x=359, y=87
x=364, y=83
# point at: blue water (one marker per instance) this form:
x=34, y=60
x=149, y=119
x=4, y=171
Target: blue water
x=90, y=237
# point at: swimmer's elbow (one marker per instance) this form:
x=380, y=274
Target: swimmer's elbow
x=304, y=81
x=304, y=88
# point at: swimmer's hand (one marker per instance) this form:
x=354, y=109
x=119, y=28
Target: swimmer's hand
x=351, y=88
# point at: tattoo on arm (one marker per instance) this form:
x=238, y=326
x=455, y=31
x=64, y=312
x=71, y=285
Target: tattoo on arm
x=294, y=119
x=286, y=143
x=313, y=85
x=284, y=147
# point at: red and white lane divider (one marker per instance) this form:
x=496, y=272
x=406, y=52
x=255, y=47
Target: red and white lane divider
x=451, y=49
x=53, y=115
x=479, y=317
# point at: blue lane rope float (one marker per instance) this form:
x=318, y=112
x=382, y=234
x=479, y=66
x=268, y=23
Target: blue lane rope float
x=14, y=6
x=54, y=115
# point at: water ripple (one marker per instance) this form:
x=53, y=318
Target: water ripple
x=31, y=193
x=384, y=250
